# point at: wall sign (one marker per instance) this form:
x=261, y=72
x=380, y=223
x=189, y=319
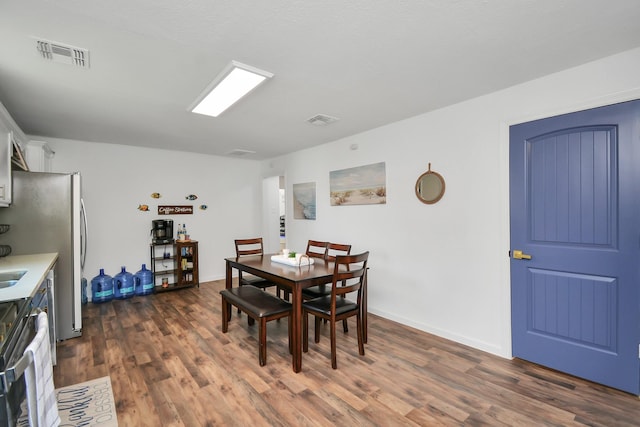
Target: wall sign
x=175, y=210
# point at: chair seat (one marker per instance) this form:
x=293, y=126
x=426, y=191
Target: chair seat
x=323, y=305
x=255, y=302
x=316, y=291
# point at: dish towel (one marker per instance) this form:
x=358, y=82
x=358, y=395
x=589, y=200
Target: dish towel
x=41, y=396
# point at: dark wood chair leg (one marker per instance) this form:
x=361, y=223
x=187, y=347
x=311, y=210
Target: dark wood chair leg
x=345, y=326
x=305, y=332
x=334, y=362
x=360, y=333
x=317, y=328
x=290, y=319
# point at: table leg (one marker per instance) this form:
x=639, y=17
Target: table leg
x=227, y=283
x=296, y=297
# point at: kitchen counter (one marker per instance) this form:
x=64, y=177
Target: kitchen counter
x=36, y=265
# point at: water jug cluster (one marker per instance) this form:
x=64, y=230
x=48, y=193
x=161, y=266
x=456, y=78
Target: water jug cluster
x=123, y=285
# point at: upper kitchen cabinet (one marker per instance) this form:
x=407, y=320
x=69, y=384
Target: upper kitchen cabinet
x=38, y=155
x=5, y=168
x=12, y=143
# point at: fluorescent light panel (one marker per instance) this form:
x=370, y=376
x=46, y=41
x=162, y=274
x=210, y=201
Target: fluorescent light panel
x=235, y=81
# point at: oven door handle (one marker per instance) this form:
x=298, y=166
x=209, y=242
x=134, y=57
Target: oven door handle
x=14, y=372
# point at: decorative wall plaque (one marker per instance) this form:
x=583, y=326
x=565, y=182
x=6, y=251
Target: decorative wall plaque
x=175, y=210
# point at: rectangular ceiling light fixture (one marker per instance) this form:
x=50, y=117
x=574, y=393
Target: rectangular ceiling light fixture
x=234, y=82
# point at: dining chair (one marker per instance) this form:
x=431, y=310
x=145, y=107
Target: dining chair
x=246, y=247
x=258, y=306
x=333, y=249
x=316, y=249
x=350, y=270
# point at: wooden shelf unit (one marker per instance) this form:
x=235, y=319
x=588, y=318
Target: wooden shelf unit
x=174, y=263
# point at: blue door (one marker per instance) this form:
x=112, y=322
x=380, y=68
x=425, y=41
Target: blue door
x=575, y=243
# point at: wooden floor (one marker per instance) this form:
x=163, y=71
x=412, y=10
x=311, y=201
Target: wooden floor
x=171, y=365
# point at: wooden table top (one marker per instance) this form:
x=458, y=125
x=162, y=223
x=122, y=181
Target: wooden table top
x=319, y=271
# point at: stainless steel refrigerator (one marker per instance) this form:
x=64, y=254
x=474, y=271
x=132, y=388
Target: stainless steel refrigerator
x=47, y=215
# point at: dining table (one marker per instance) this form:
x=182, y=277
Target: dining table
x=294, y=279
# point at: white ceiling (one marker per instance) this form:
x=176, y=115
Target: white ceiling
x=367, y=62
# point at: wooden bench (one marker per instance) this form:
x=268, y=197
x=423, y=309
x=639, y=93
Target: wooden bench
x=259, y=306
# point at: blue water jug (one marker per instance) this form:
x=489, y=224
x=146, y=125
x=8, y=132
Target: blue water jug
x=144, y=281
x=123, y=286
x=101, y=288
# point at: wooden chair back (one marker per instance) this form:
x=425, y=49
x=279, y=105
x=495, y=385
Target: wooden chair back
x=316, y=249
x=351, y=271
x=249, y=246
x=334, y=249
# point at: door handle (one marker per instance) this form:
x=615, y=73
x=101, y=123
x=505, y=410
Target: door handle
x=519, y=255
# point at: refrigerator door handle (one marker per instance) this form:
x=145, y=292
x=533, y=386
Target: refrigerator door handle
x=83, y=234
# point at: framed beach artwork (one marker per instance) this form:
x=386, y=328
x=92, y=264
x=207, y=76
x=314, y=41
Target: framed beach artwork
x=304, y=200
x=363, y=185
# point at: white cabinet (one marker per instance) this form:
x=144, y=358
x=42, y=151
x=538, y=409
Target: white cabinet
x=38, y=156
x=10, y=134
x=5, y=168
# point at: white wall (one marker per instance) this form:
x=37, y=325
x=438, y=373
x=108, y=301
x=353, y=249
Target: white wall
x=444, y=268
x=441, y=268
x=116, y=179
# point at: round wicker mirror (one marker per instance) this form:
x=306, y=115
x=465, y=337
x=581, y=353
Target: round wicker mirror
x=430, y=187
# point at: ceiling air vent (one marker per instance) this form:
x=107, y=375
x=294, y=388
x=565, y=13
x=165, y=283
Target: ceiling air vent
x=64, y=54
x=239, y=152
x=322, y=120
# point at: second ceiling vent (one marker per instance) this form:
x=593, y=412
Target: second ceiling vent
x=322, y=120
x=65, y=54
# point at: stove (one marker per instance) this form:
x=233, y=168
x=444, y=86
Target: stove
x=17, y=330
x=12, y=318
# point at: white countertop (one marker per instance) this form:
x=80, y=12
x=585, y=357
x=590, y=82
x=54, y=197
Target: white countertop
x=36, y=265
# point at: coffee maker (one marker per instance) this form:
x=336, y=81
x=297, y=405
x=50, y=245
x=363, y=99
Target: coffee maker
x=162, y=231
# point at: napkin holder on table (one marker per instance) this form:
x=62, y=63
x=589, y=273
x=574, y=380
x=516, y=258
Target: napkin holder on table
x=293, y=262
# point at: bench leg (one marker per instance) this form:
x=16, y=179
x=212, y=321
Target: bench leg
x=262, y=351
x=226, y=312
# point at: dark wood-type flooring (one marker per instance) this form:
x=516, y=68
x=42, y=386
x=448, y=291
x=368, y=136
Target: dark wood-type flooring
x=171, y=365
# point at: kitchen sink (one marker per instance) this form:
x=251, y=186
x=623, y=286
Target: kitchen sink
x=7, y=283
x=10, y=278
